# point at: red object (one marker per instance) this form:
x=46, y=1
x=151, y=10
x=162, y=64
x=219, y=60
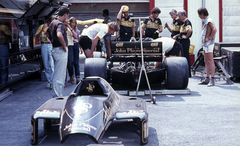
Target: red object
x=185, y=6
x=151, y=5
x=220, y=21
x=192, y=58
x=36, y=41
x=136, y=73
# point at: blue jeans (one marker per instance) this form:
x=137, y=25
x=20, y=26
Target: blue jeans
x=47, y=58
x=73, y=60
x=4, y=54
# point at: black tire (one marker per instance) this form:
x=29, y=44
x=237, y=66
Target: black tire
x=95, y=67
x=176, y=76
x=97, y=54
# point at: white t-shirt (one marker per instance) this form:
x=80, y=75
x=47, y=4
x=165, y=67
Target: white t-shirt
x=98, y=29
x=167, y=43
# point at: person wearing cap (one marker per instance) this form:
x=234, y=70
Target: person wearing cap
x=127, y=25
x=5, y=40
x=46, y=50
x=176, y=24
x=58, y=36
x=184, y=36
x=153, y=25
x=90, y=36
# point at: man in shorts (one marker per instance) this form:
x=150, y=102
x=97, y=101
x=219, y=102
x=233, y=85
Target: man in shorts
x=208, y=38
x=89, y=37
x=170, y=48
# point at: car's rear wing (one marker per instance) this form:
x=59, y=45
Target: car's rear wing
x=134, y=48
x=150, y=51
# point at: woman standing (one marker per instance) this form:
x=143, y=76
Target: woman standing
x=73, y=53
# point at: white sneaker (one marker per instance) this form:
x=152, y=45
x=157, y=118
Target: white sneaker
x=49, y=85
x=211, y=83
x=204, y=82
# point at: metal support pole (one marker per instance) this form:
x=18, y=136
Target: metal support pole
x=142, y=66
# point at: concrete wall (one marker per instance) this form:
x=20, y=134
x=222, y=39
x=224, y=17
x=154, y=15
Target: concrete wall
x=231, y=20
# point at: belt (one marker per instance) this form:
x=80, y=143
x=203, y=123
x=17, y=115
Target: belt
x=45, y=42
x=126, y=33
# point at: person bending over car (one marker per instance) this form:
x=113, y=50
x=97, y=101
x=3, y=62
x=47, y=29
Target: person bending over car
x=170, y=47
x=90, y=36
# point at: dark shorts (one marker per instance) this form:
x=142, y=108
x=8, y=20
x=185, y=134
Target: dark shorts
x=85, y=42
x=177, y=47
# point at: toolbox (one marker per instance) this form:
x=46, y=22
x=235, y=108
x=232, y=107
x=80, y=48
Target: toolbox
x=232, y=62
x=219, y=45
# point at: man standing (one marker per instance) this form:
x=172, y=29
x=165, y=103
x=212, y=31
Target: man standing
x=58, y=36
x=5, y=39
x=127, y=25
x=184, y=36
x=107, y=37
x=208, y=38
x=46, y=51
x=153, y=25
x=176, y=24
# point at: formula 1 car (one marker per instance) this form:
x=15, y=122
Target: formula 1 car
x=90, y=109
x=174, y=70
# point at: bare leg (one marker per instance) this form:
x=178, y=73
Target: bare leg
x=209, y=64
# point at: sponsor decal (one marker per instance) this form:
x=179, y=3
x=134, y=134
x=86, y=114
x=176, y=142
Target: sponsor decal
x=79, y=127
x=47, y=112
x=82, y=107
x=154, y=44
x=119, y=44
x=90, y=87
x=131, y=50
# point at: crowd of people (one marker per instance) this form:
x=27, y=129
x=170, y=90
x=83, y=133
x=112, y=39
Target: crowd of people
x=61, y=41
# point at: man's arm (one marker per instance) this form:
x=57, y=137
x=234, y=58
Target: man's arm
x=167, y=26
x=143, y=31
x=120, y=13
x=211, y=31
x=133, y=31
x=188, y=34
x=61, y=40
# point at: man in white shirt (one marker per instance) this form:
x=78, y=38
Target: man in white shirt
x=208, y=38
x=89, y=37
x=170, y=47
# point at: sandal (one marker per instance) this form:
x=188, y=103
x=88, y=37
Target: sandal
x=77, y=80
x=71, y=80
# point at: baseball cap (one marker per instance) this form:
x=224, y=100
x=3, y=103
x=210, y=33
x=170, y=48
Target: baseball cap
x=126, y=8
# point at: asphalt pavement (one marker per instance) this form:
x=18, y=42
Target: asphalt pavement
x=209, y=116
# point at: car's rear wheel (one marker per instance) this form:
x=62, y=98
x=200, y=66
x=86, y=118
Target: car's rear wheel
x=95, y=67
x=176, y=72
x=97, y=54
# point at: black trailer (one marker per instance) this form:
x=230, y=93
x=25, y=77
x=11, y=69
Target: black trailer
x=23, y=56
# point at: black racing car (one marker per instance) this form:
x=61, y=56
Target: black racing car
x=90, y=109
x=125, y=65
